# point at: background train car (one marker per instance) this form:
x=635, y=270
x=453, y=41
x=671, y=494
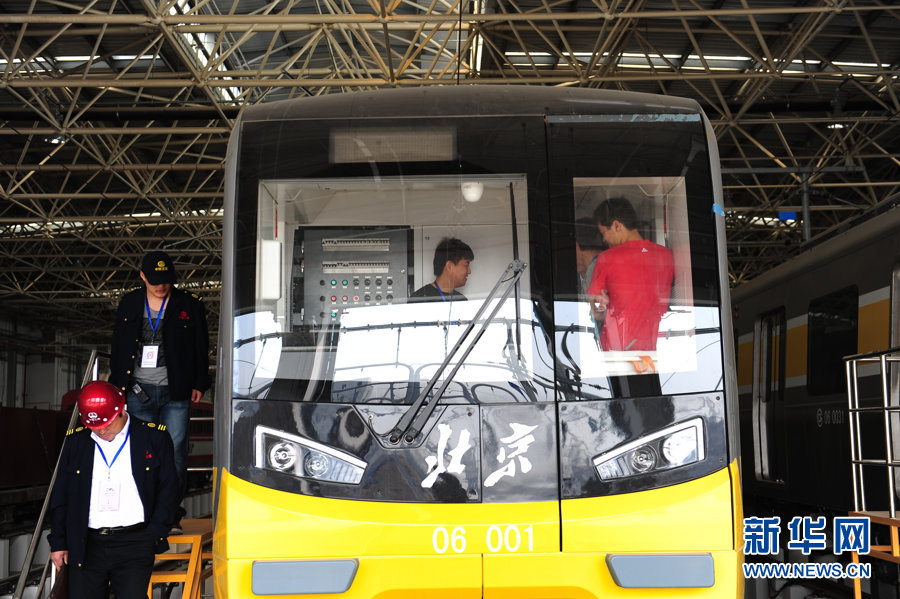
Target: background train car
x=794, y=325
x=369, y=446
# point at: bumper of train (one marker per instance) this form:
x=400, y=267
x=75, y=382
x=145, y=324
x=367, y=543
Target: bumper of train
x=672, y=542
x=532, y=576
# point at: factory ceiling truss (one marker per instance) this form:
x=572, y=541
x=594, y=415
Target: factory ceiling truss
x=115, y=114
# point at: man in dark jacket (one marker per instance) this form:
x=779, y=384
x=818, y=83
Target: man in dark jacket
x=160, y=352
x=114, y=498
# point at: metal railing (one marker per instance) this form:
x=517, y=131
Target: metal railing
x=91, y=373
x=889, y=404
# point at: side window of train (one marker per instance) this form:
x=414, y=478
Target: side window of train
x=833, y=327
x=769, y=340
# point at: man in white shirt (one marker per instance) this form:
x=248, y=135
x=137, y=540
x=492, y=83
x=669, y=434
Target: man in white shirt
x=114, y=499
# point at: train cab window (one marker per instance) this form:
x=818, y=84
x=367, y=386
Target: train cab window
x=630, y=325
x=352, y=305
x=833, y=322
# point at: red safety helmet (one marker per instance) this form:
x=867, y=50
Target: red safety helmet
x=99, y=403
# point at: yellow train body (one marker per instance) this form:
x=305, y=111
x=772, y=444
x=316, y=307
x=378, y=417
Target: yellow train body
x=497, y=551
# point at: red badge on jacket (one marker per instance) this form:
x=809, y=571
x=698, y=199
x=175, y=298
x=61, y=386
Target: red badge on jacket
x=184, y=316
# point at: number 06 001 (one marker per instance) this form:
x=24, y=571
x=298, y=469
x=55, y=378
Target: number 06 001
x=497, y=538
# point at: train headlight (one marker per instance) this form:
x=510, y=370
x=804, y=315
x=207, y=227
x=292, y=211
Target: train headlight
x=681, y=447
x=301, y=457
x=316, y=464
x=677, y=445
x=643, y=459
x=282, y=456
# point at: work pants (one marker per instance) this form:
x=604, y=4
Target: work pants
x=122, y=562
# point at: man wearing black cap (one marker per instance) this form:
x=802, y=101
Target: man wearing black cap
x=160, y=352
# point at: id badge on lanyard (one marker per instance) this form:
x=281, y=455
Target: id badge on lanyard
x=150, y=353
x=149, y=356
x=109, y=496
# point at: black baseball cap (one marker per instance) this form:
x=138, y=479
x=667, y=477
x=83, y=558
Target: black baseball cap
x=158, y=268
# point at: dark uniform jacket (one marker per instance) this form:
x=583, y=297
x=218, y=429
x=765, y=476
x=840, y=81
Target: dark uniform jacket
x=430, y=293
x=185, y=341
x=153, y=469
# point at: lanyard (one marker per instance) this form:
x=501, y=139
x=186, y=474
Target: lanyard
x=155, y=325
x=109, y=465
x=443, y=297
x=438, y=287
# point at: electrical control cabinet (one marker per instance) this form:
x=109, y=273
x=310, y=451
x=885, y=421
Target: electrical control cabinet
x=338, y=268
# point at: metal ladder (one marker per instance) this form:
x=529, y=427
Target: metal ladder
x=889, y=404
x=883, y=412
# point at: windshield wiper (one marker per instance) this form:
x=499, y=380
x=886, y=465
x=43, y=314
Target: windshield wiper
x=409, y=425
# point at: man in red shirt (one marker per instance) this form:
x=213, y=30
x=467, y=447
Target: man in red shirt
x=631, y=283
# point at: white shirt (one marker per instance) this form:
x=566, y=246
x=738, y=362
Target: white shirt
x=115, y=500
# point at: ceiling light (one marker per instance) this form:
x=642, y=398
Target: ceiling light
x=472, y=190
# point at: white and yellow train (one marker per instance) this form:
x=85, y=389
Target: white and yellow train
x=795, y=324
x=369, y=446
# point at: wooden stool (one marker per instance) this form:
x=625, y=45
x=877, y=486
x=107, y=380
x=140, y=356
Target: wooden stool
x=197, y=533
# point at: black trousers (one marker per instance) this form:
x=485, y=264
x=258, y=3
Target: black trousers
x=122, y=563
